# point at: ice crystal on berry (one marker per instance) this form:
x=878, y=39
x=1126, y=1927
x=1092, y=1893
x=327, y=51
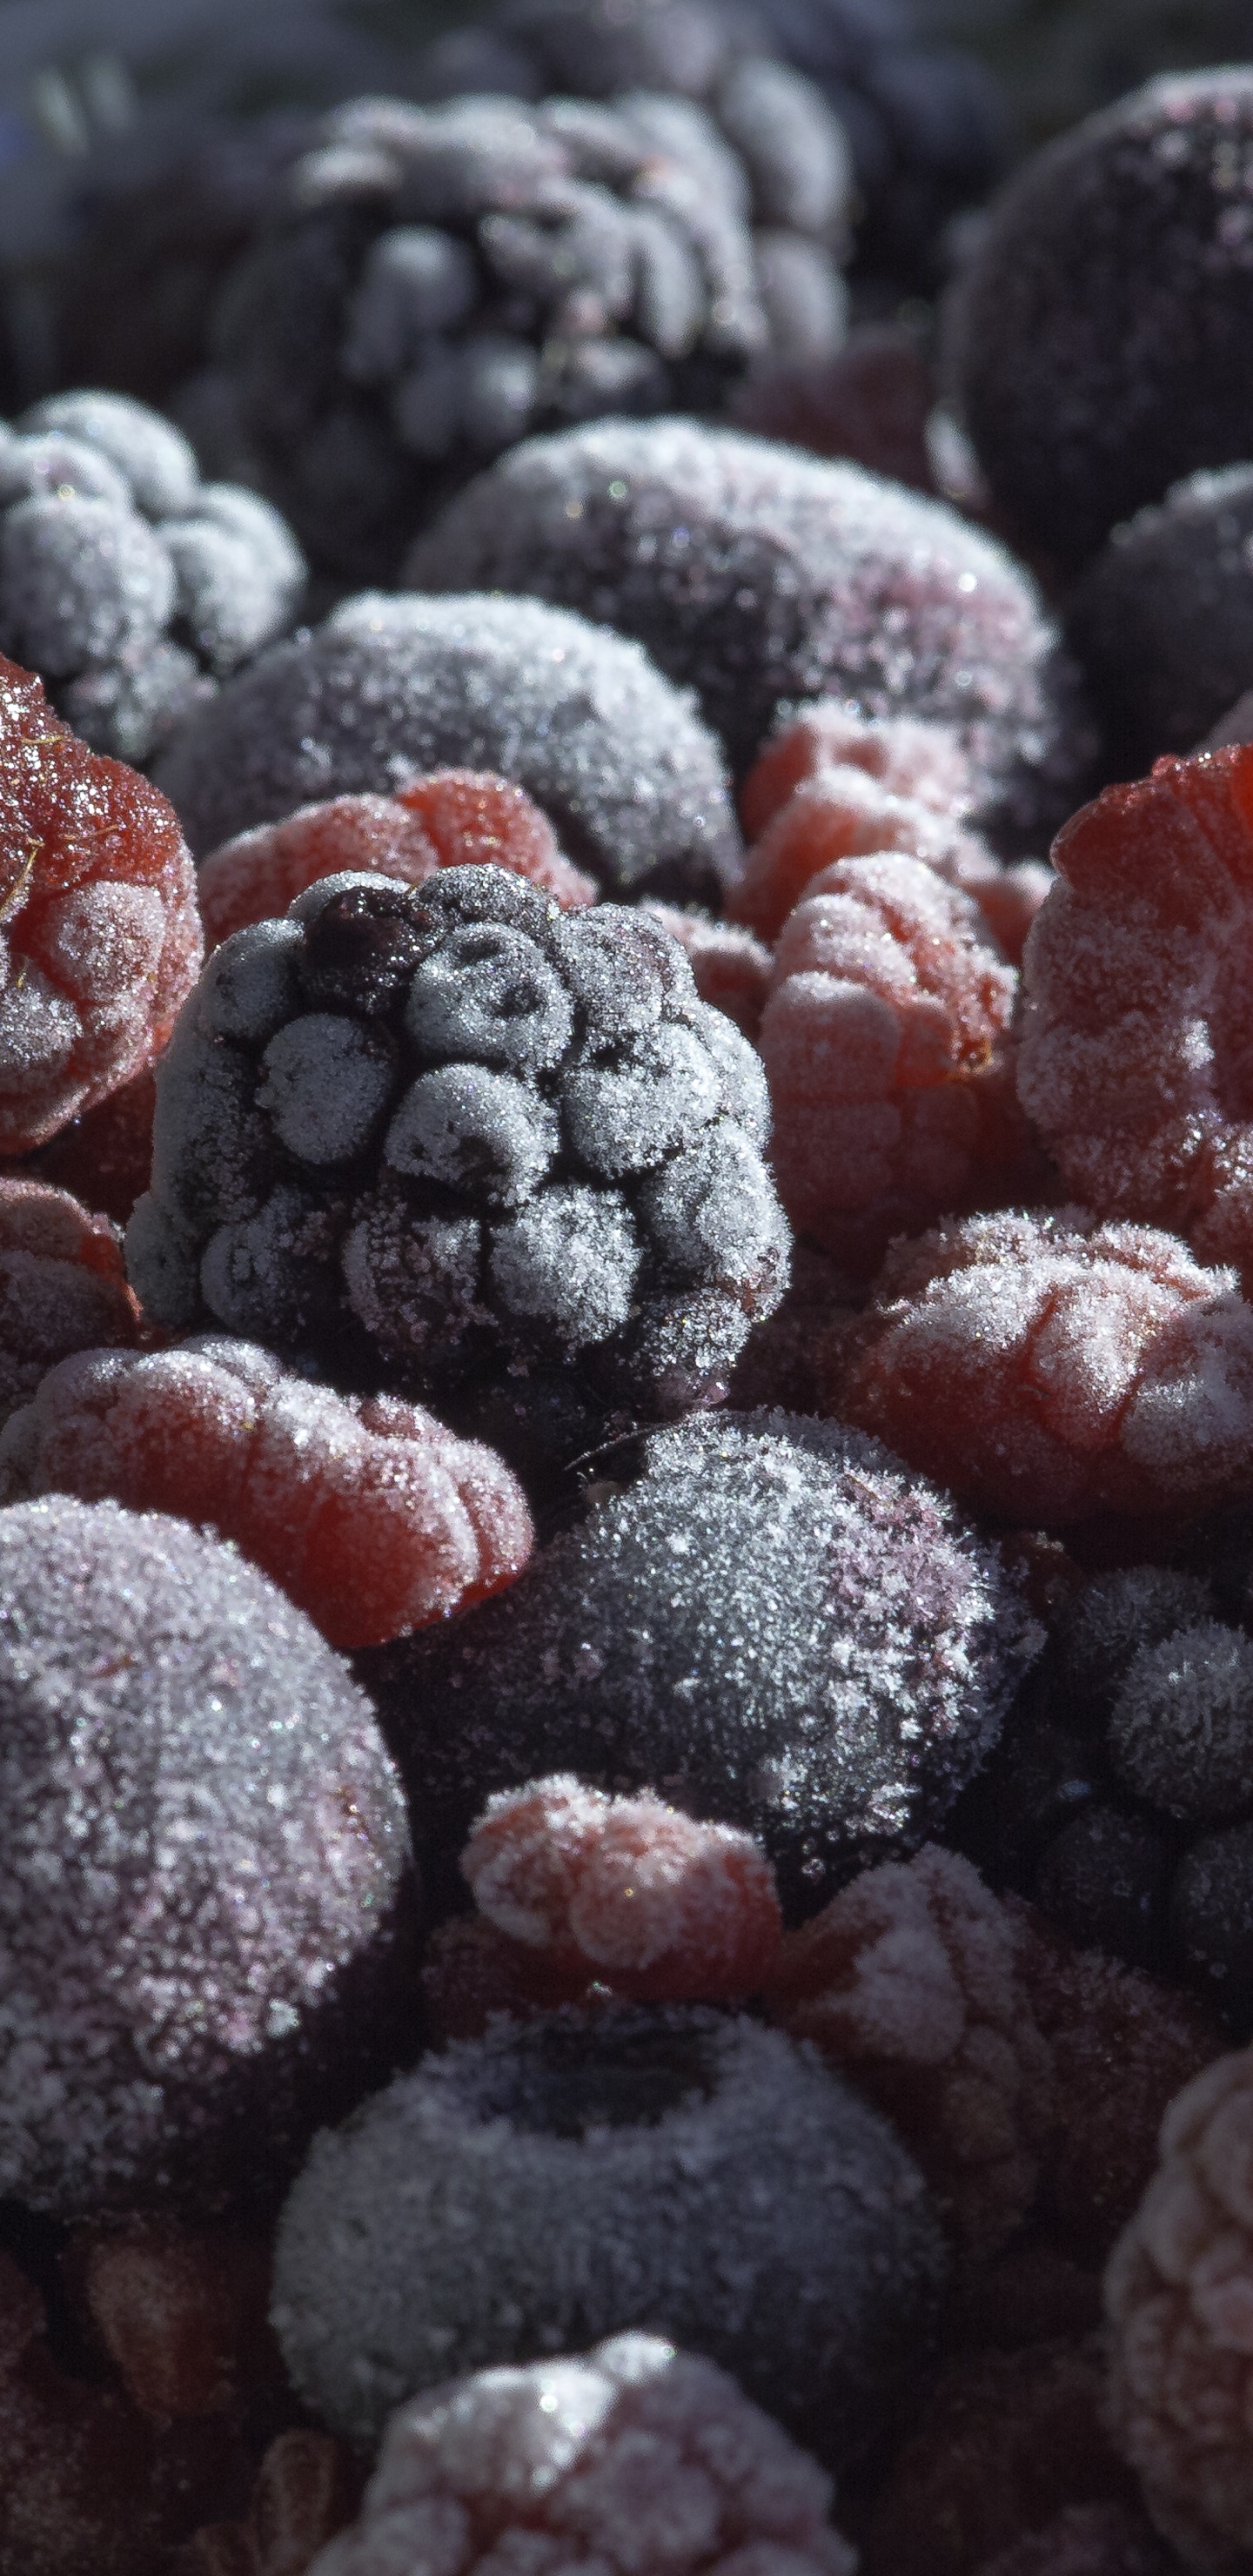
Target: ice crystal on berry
x=62, y=1285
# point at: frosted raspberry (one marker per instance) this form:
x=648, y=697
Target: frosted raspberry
x=886, y=1046
x=62, y=1285
x=910, y=1981
x=730, y=967
x=1004, y=2439
x=105, y=1157
x=451, y=818
x=1049, y=1368
x=368, y=1513
x=308, y=2487
x=842, y=812
x=633, y=2456
x=1135, y=1061
x=1085, y=2540
x=784, y=1366
x=99, y=934
x=1179, y=2301
x=1122, y=2043
x=471, y=1972
x=909, y=755
x=655, y=1905
x=180, y=2313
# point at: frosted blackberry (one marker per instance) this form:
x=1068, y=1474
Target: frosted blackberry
x=1096, y=343
x=759, y=577
x=131, y=587
x=387, y=688
x=437, y=282
x=473, y=1131
x=677, y=2170
x=1162, y=622
x=776, y=1626
x=204, y=1869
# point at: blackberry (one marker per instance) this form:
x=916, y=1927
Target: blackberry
x=130, y=586
x=1162, y=622
x=760, y=577
x=437, y=282
x=1096, y=344
x=388, y=689
x=558, y=2180
x=776, y=1626
x=204, y=1905
x=480, y=1133
x=1120, y=1797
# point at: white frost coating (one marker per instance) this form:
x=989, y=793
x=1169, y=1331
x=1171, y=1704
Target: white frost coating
x=573, y=1259
x=462, y=1123
x=326, y=1083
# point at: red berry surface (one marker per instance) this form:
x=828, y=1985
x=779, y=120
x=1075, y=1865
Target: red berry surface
x=100, y=937
x=369, y=1514
x=105, y=1157
x=730, y=967
x=62, y=1285
x=886, y=1047
x=909, y=755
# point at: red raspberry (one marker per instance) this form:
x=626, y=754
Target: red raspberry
x=1136, y=1062
x=886, y=1047
x=99, y=933
x=371, y=1516
x=870, y=402
x=730, y=967
x=1047, y=1368
x=909, y=755
x=450, y=818
x=181, y=2313
x=62, y=1285
x=626, y=1891
x=308, y=2487
x=471, y=1971
x=106, y=1155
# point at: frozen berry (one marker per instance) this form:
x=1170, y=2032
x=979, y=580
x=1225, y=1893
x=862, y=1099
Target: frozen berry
x=869, y=401
x=371, y=1516
x=106, y=1154
x=1162, y=622
x=100, y=934
x=477, y=1129
x=1085, y=2540
x=784, y=1366
x=1133, y=1060
x=62, y=1286
x=206, y=1939
x=631, y=2455
x=434, y=283
x=629, y=1891
x=845, y=811
x=679, y=2169
x=471, y=1973
x=910, y=1982
x=388, y=689
x=453, y=818
x=776, y=1627
x=730, y=967
x=130, y=586
x=1047, y=1368
x=911, y=756
x=1178, y=2292
x=1096, y=342
x=307, y=2489
x=886, y=1043
x=181, y=2313
x=759, y=576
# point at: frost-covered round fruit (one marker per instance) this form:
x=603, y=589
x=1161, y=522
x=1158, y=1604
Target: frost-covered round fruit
x=679, y=2170
x=62, y=1286
x=758, y=576
x=387, y=688
x=205, y=1855
x=776, y=1626
x=100, y=938
x=436, y=282
x=1097, y=341
x=435, y=1130
x=132, y=587
x=1162, y=622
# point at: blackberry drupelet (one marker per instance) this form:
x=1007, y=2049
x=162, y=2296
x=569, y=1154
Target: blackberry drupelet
x=446, y=1132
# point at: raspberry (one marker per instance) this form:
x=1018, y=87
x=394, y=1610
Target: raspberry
x=841, y=812
x=220, y=1954
x=390, y=688
x=633, y=2454
x=130, y=586
x=1096, y=342
x=101, y=939
x=870, y=402
x=308, y=2487
x=453, y=818
x=760, y=577
x=471, y=1973
x=62, y=1285
x=181, y=2314
x=730, y=968
x=479, y=1129
x=910, y=1982
x=367, y=1512
x=626, y=1890
x=886, y=1046
x=1132, y=1063
x=106, y=1155
x=909, y=756
x=681, y=2168
x=1177, y=2295
x=1048, y=1368
x=1084, y=2540
x=776, y=1623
